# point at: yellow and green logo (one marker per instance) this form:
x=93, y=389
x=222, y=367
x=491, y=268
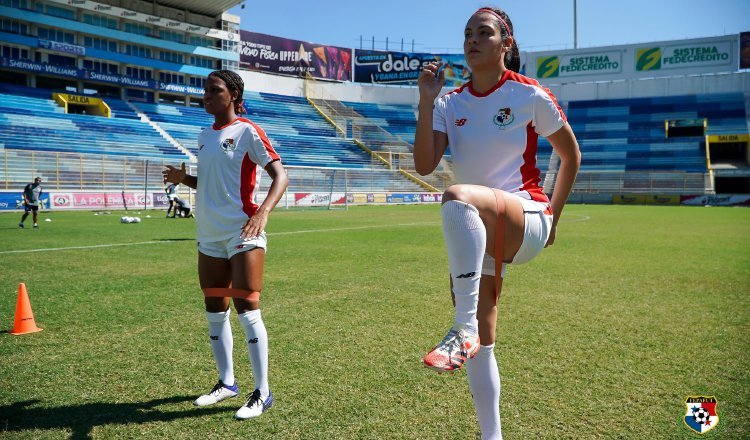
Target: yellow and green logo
x=547, y=67
x=648, y=58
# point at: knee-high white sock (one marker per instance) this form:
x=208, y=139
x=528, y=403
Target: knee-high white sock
x=466, y=239
x=220, y=333
x=484, y=382
x=257, y=346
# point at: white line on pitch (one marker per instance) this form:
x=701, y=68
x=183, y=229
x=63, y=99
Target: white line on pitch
x=306, y=231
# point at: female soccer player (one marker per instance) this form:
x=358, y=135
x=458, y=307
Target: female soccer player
x=230, y=233
x=497, y=212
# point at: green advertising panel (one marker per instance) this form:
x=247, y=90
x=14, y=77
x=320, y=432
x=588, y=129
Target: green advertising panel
x=547, y=67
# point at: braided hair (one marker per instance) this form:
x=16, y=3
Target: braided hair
x=234, y=84
x=513, y=56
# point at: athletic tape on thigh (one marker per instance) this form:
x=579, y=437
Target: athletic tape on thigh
x=499, y=239
x=228, y=292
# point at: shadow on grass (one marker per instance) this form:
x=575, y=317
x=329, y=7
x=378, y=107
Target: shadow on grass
x=81, y=419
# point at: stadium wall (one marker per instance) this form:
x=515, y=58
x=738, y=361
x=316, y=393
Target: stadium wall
x=736, y=82
x=353, y=92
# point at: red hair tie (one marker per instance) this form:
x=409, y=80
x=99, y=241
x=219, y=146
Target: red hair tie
x=505, y=25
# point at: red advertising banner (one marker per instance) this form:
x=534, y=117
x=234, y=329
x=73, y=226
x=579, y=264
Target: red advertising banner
x=319, y=199
x=267, y=53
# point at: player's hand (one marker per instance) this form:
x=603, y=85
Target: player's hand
x=552, y=233
x=255, y=225
x=431, y=81
x=174, y=175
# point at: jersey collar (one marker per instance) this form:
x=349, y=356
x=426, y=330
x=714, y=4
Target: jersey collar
x=500, y=83
x=216, y=127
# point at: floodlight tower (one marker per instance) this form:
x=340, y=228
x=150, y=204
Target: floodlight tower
x=575, y=24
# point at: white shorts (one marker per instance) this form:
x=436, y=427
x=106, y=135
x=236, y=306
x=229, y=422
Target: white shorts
x=232, y=246
x=536, y=230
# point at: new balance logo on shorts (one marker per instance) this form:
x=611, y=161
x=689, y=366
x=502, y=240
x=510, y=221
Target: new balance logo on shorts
x=214, y=338
x=467, y=275
x=252, y=341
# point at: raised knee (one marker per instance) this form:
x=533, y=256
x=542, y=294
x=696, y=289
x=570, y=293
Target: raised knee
x=456, y=192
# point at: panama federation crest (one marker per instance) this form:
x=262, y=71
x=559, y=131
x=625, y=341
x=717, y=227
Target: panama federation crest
x=504, y=117
x=701, y=415
x=228, y=145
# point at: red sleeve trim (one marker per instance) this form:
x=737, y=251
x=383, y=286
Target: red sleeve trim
x=263, y=138
x=517, y=77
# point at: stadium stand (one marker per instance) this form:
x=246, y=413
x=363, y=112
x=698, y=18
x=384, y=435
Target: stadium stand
x=300, y=135
x=296, y=130
x=629, y=134
x=31, y=120
x=397, y=119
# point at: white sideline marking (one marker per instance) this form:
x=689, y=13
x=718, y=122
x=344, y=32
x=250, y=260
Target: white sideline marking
x=580, y=218
x=305, y=231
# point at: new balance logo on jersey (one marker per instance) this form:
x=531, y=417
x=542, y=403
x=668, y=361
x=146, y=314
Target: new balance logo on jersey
x=467, y=275
x=214, y=338
x=252, y=341
x=461, y=122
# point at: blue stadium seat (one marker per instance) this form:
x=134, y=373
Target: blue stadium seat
x=31, y=120
x=629, y=134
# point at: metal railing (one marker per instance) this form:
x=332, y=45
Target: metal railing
x=73, y=171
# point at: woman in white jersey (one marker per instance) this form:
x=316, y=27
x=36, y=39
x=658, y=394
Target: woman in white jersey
x=497, y=212
x=230, y=233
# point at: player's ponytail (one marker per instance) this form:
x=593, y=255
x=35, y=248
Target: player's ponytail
x=239, y=106
x=234, y=84
x=512, y=58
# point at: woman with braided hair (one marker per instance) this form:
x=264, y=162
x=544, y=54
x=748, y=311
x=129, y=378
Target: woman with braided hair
x=497, y=213
x=231, y=233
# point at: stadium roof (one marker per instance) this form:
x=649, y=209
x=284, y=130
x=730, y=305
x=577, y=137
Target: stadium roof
x=211, y=8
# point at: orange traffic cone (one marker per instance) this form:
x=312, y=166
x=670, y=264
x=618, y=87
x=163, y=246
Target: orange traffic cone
x=24, y=322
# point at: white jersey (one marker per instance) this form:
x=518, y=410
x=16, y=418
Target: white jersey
x=230, y=159
x=493, y=136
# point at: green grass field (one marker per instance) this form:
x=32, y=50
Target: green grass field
x=603, y=335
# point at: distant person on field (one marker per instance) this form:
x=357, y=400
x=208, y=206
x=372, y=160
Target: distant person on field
x=171, y=191
x=496, y=213
x=32, y=196
x=231, y=233
x=182, y=207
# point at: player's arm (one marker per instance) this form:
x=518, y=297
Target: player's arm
x=257, y=223
x=429, y=144
x=566, y=146
x=180, y=175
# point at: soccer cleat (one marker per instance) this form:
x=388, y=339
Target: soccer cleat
x=217, y=394
x=453, y=351
x=254, y=405
x=20, y=225
x=36, y=226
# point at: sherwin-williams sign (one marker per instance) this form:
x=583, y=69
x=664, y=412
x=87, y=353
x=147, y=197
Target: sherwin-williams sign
x=683, y=56
x=579, y=64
